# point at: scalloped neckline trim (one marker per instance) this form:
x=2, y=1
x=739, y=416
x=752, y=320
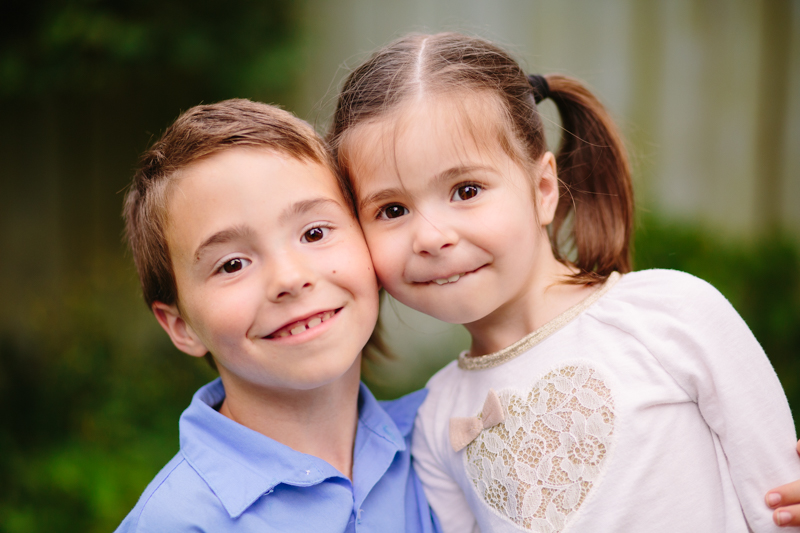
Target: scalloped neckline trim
x=527, y=342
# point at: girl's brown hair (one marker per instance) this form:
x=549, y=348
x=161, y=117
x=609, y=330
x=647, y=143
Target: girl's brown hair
x=593, y=223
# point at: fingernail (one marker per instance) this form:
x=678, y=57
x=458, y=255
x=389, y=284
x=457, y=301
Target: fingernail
x=784, y=517
x=773, y=499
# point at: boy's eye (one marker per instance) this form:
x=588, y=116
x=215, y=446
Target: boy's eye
x=315, y=234
x=465, y=192
x=393, y=211
x=234, y=265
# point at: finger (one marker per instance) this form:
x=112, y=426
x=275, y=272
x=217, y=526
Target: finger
x=785, y=495
x=787, y=516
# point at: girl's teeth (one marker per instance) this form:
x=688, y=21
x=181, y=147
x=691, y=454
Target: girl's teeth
x=298, y=329
x=451, y=279
x=283, y=334
x=316, y=321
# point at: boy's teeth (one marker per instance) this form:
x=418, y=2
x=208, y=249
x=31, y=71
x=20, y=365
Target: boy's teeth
x=451, y=279
x=300, y=327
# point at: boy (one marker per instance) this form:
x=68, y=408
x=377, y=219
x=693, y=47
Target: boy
x=247, y=249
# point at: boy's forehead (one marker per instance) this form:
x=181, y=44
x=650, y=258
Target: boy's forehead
x=277, y=168
x=242, y=182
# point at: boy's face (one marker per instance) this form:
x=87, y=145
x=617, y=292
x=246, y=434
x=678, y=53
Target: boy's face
x=273, y=275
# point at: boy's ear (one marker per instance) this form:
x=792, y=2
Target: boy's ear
x=547, y=189
x=182, y=335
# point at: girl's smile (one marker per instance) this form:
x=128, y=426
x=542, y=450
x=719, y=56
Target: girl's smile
x=455, y=226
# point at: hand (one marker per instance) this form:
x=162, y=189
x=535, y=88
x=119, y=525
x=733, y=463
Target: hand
x=786, y=502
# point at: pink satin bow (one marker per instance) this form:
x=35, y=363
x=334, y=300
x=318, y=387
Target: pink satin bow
x=464, y=430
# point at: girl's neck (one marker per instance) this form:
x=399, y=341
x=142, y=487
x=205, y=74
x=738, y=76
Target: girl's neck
x=547, y=296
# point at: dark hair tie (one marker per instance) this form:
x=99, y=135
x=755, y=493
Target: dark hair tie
x=541, y=89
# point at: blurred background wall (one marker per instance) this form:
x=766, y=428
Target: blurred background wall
x=707, y=93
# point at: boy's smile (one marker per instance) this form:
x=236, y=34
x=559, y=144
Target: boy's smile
x=274, y=277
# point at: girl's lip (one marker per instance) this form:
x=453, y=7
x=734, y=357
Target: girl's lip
x=299, y=326
x=452, y=278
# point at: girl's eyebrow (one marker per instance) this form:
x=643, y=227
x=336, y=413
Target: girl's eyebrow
x=454, y=172
x=441, y=178
x=379, y=197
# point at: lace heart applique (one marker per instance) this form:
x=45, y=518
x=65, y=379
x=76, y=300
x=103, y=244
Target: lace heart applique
x=536, y=468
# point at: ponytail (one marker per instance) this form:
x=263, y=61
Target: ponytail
x=595, y=185
x=594, y=218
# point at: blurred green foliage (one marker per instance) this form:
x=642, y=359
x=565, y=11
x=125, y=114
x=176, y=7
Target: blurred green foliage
x=759, y=278
x=97, y=46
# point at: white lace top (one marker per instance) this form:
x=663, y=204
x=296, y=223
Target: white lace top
x=648, y=407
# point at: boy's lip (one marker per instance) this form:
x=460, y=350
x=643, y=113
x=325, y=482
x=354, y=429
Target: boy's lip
x=297, y=326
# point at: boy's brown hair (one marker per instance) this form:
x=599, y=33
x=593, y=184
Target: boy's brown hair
x=200, y=132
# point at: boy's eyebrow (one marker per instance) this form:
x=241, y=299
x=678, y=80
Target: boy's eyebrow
x=241, y=232
x=442, y=177
x=221, y=237
x=303, y=206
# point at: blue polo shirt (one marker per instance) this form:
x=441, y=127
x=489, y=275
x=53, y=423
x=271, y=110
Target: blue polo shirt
x=227, y=477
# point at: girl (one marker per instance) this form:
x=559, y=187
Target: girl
x=591, y=397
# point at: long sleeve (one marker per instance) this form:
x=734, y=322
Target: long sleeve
x=702, y=342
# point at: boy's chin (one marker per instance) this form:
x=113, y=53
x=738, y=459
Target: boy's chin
x=301, y=378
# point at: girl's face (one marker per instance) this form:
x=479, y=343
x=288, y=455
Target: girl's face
x=450, y=219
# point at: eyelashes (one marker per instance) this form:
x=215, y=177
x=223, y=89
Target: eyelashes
x=231, y=266
x=316, y=234
x=460, y=193
x=392, y=211
x=466, y=191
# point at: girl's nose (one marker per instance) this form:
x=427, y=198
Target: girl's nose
x=431, y=236
x=288, y=276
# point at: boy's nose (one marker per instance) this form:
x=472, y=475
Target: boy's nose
x=432, y=236
x=288, y=276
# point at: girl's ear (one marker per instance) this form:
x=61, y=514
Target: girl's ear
x=547, y=189
x=180, y=332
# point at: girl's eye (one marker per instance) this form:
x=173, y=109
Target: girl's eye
x=234, y=265
x=393, y=211
x=465, y=192
x=315, y=234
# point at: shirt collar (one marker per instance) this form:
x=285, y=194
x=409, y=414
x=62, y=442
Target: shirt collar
x=241, y=465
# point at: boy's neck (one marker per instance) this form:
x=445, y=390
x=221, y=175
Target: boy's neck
x=320, y=422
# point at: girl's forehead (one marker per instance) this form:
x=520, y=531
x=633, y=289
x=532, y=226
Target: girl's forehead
x=463, y=125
